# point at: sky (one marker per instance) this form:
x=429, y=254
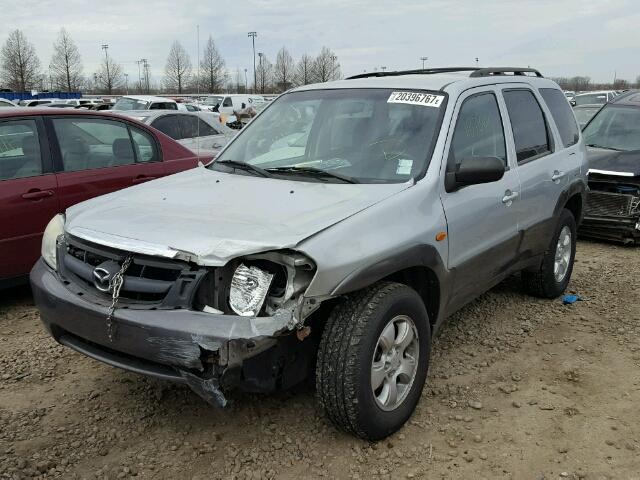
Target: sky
x=595, y=38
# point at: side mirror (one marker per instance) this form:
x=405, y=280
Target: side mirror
x=475, y=170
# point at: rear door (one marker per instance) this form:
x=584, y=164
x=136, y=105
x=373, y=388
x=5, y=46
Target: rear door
x=28, y=193
x=544, y=165
x=98, y=155
x=482, y=219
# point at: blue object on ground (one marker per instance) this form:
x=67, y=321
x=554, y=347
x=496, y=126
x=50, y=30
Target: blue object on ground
x=569, y=299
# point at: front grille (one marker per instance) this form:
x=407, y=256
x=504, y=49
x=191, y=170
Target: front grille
x=604, y=204
x=147, y=280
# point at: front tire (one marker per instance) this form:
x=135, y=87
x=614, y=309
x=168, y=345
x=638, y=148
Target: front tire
x=551, y=280
x=373, y=360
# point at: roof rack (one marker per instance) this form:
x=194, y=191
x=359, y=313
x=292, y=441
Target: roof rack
x=489, y=72
x=475, y=72
x=422, y=71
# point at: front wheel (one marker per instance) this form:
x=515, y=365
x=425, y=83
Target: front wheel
x=373, y=360
x=552, y=278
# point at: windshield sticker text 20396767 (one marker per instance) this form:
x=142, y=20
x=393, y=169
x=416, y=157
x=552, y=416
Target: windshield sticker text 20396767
x=416, y=98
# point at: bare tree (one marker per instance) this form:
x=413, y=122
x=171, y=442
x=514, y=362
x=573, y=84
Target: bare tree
x=284, y=70
x=110, y=76
x=326, y=66
x=66, y=63
x=178, y=68
x=212, y=67
x=19, y=64
x=304, y=70
x=638, y=81
x=264, y=74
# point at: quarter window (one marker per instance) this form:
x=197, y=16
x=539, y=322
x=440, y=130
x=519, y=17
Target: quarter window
x=562, y=115
x=19, y=150
x=144, y=145
x=479, y=131
x=530, y=132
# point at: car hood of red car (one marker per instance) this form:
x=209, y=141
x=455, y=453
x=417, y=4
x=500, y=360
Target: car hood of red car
x=210, y=217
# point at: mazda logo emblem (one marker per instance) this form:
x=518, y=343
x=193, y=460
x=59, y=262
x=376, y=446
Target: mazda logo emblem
x=101, y=278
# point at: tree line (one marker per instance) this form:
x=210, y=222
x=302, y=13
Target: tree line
x=21, y=70
x=583, y=84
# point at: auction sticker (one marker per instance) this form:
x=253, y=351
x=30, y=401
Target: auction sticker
x=416, y=98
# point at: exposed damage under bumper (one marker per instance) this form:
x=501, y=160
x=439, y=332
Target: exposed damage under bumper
x=209, y=352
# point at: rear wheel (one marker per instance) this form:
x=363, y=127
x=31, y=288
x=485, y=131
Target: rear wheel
x=373, y=360
x=552, y=278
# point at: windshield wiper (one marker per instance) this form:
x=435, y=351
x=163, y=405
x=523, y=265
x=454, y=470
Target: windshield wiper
x=594, y=145
x=244, y=166
x=313, y=172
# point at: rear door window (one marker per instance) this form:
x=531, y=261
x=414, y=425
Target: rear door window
x=227, y=102
x=91, y=143
x=562, y=115
x=19, y=150
x=169, y=125
x=530, y=131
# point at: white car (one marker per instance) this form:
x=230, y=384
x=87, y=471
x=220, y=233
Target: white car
x=229, y=103
x=594, y=98
x=144, y=102
x=6, y=103
x=200, y=132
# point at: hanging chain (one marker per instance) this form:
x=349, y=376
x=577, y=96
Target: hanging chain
x=115, y=284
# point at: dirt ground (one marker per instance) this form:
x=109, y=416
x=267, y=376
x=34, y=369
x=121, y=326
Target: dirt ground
x=519, y=388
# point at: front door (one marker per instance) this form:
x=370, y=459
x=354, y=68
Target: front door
x=482, y=219
x=28, y=194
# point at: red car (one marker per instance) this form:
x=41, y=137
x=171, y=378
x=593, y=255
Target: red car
x=51, y=159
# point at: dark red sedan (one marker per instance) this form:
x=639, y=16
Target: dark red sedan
x=51, y=159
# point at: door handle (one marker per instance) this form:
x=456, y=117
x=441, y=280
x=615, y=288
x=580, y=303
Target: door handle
x=142, y=179
x=37, y=194
x=509, y=197
x=557, y=175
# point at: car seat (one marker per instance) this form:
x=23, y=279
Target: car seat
x=31, y=163
x=75, y=154
x=122, y=152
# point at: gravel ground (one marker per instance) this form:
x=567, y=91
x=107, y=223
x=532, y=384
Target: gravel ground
x=519, y=388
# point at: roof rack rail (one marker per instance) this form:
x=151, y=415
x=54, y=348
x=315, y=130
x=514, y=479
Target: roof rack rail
x=489, y=72
x=423, y=71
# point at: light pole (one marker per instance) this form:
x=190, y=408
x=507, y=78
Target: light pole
x=255, y=84
x=424, y=59
x=105, y=47
x=139, y=77
x=126, y=83
x=145, y=67
x=246, y=87
x=253, y=36
x=477, y=62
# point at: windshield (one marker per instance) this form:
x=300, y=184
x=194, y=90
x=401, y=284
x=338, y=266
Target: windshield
x=369, y=135
x=584, y=114
x=213, y=101
x=615, y=127
x=595, y=98
x=125, y=103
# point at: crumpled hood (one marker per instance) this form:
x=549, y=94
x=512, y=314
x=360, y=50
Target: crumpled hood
x=614, y=161
x=213, y=216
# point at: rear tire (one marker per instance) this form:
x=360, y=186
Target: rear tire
x=380, y=336
x=551, y=280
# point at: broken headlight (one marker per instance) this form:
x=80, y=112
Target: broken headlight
x=249, y=288
x=54, y=229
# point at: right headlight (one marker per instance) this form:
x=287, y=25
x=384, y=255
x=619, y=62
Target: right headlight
x=54, y=229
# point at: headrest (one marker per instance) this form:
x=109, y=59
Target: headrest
x=122, y=148
x=76, y=146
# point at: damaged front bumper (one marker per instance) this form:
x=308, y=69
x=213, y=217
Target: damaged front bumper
x=612, y=216
x=209, y=352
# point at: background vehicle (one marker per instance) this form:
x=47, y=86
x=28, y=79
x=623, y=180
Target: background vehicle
x=594, y=98
x=6, y=103
x=269, y=266
x=51, y=159
x=200, y=132
x=144, y=102
x=613, y=148
x=36, y=102
x=570, y=94
x=227, y=104
x=585, y=112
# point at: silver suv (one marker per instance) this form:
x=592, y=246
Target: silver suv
x=332, y=237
